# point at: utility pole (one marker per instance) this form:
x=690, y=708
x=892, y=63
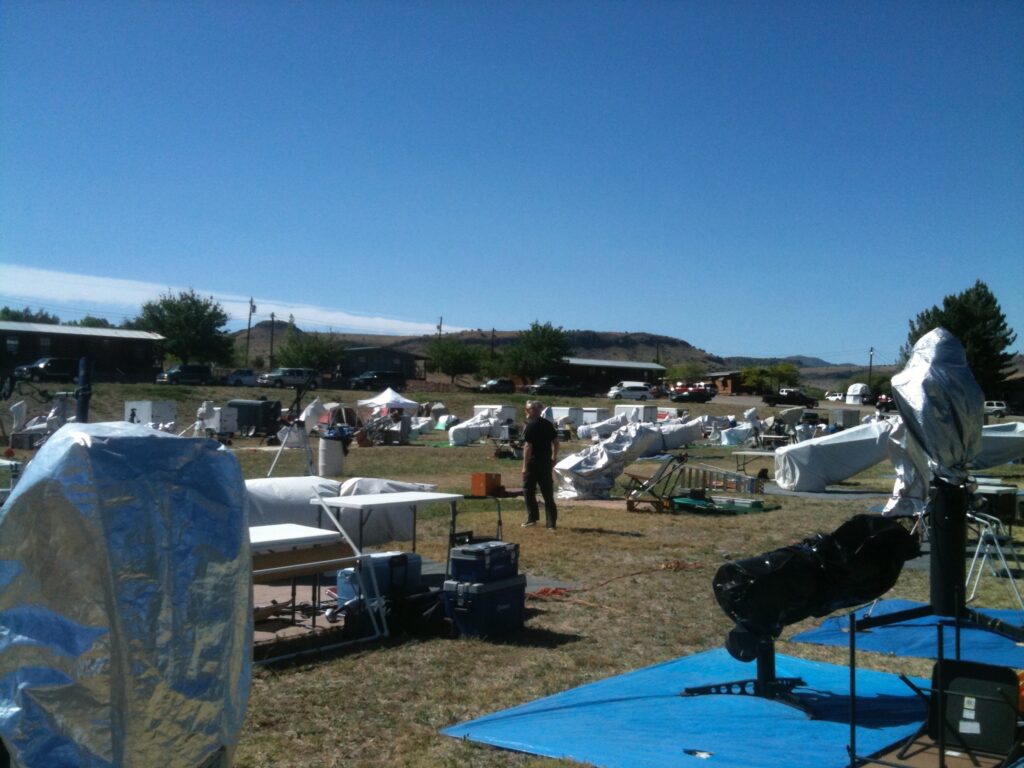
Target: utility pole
x=871, y=364
x=440, y=323
x=248, y=329
x=271, y=341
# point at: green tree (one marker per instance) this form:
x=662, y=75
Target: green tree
x=757, y=377
x=92, y=322
x=538, y=350
x=321, y=351
x=976, y=319
x=690, y=372
x=26, y=315
x=192, y=327
x=785, y=375
x=453, y=356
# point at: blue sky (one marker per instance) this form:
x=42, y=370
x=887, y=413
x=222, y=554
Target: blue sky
x=758, y=178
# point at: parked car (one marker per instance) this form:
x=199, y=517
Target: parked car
x=835, y=397
x=691, y=395
x=630, y=390
x=553, y=385
x=289, y=377
x=378, y=380
x=885, y=403
x=995, y=408
x=186, y=374
x=790, y=396
x=241, y=377
x=500, y=386
x=49, y=369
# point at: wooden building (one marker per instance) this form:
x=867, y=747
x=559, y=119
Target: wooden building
x=115, y=354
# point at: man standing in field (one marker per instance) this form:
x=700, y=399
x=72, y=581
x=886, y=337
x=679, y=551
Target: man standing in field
x=540, y=452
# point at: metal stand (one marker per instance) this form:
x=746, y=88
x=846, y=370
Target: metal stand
x=948, y=541
x=993, y=545
x=295, y=410
x=766, y=685
x=303, y=439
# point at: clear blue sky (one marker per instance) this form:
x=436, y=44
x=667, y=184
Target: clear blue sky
x=760, y=178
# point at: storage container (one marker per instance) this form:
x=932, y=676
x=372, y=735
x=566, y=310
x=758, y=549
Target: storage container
x=399, y=572
x=485, y=561
x=485, y=610
x=484, y=483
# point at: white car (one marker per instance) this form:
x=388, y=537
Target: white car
x=995, y=408
x=630, y=390
x=836, y=397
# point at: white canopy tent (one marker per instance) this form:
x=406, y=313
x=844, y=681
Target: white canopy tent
x=392, y=401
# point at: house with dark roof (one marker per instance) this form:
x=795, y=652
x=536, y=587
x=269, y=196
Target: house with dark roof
x=114, y=354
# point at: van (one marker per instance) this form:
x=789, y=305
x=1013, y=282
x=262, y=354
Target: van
x=630, y=390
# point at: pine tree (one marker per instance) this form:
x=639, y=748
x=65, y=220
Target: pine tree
x=976, y=319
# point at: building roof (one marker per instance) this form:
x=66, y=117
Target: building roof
x=631, y=364
x=75, y=330
x=389, y=350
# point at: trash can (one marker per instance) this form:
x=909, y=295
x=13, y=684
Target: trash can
x=331, y=461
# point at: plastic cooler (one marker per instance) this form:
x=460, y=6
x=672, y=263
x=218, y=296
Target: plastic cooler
x=485, y=610
x=484, y=561
x=394, y=571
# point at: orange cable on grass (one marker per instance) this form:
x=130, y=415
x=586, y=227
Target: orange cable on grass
x=562, y=593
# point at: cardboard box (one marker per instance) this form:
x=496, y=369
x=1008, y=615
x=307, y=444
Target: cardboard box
x=484, y=484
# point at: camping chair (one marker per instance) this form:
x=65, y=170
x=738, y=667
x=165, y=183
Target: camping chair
x=658, y=489
x=993, y=544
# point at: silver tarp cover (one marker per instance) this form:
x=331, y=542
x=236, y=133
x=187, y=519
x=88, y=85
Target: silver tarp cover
x=125, y=608
x=941, y=403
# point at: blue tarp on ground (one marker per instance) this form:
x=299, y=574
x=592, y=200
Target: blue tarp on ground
x=639, y=720
x=918, y=637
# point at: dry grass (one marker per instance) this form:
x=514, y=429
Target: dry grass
x=640, y=594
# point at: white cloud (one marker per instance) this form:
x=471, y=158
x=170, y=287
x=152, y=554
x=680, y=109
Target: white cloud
x=27, y=285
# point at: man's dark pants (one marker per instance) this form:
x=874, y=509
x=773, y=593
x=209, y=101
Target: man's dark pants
x=539, y=477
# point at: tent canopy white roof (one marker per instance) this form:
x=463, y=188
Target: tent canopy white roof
x=390, y=399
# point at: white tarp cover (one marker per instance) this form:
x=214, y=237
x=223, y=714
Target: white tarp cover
x=392, y=401
x=591, y=473
x=601, y=429
x=941, y=404
x=813, y=464
x=125, y=607
x=1000, y=444
x=274, y=500
x=487, y=423
x=737, y=435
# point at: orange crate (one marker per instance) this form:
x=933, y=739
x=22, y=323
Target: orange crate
x=484, y=483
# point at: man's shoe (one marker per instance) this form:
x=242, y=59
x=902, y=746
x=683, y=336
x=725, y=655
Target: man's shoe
x=529, y=523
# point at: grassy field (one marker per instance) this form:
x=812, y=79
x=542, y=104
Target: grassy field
x=640, y=593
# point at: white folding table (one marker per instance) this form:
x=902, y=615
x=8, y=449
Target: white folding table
x=365, y=504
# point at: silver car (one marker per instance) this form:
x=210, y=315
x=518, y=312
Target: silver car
x=290, y=377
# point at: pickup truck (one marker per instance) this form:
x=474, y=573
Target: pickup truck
x=684, y=394
x=790, y=397
x=553, y=385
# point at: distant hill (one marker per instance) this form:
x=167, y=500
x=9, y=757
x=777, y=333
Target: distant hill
x=603, y=345
x=800, y=361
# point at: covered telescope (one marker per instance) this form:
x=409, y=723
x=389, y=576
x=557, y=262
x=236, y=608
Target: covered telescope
x=125, y=602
